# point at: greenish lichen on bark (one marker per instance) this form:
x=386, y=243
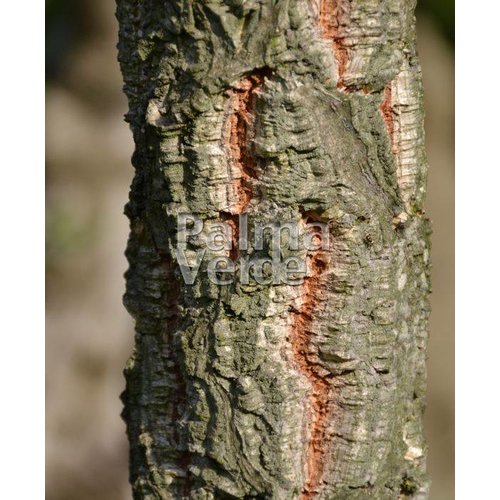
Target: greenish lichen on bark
x=286, y=110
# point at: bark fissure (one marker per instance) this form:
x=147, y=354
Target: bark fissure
x=312, y=299
x=239, y=130
x=240, y=138
x=329, y=20
x=388, y=114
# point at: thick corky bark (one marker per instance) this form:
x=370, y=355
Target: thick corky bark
x=288, y=110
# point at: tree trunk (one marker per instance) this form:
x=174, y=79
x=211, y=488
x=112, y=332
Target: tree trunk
x=299, y=112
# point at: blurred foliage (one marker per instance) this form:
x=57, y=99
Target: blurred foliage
x=60, y=34
x=442, y=12
x=66, y=235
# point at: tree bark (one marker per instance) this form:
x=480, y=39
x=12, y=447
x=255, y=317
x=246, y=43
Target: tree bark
x=285, y=110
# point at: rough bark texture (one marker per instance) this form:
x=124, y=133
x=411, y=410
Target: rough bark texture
x=290, y=110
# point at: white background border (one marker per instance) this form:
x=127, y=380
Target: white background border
x=22, y=421
x=477, y=249
x=477, y=242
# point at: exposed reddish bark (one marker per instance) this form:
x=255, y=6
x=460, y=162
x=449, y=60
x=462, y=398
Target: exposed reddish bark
x=239, y=135
x=388, y=114
x=313, y=299
x=329, y=14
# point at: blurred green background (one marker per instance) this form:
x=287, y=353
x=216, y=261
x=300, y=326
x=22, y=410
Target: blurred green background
x=89, y=334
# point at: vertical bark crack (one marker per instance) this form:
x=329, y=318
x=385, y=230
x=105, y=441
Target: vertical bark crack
x=313, y=300
x=329, y=14
x=387, y=111
x=239, y=133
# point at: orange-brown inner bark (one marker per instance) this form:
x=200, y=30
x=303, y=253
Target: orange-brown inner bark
x=329, y=22
x=239, y=136
x=388, y=114
x=313, y=297
x=240, y=124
